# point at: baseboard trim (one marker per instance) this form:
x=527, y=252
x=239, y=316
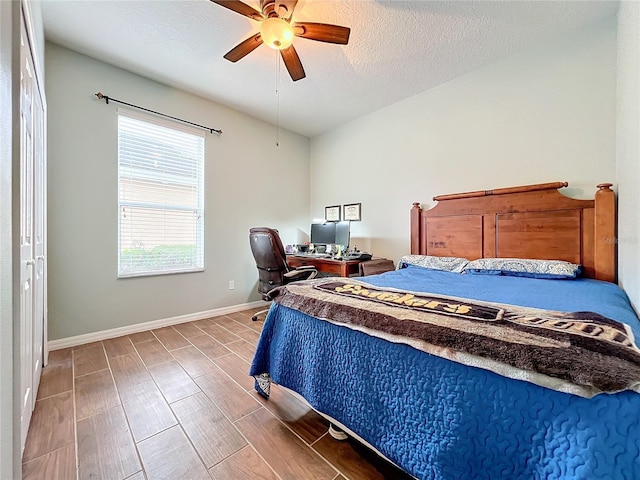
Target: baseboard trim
x=141, y=327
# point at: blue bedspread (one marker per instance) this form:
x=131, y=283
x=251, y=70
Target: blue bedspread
x=441, y=420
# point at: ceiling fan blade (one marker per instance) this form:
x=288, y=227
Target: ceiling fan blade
x=322, y=32
x=284, y=8
x=241, y=8
x=244, y=48
x=293, y=63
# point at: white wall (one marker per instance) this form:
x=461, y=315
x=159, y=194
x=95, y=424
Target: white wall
x=628, y=149
x=544, y=114
x=248, y=182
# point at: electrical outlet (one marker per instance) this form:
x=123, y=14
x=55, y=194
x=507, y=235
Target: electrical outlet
x=232, y=284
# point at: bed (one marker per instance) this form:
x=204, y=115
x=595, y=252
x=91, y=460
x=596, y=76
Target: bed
x=424, y=408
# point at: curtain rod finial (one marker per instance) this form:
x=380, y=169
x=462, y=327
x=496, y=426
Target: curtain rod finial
x=101, y=96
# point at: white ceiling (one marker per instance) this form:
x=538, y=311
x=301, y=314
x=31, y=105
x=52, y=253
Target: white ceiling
x=397, y=48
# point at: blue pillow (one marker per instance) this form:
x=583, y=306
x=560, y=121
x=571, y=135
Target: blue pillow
x=521, y=267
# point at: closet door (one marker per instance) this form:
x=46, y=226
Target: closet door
x=39, y=268
x=32, y=216
x=27, y=261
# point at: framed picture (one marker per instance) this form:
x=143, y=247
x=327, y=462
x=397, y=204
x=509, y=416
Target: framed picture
x=332, y=214
x=352, y=211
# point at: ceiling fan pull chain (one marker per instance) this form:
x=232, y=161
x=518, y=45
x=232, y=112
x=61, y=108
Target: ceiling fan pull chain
x=277, y=99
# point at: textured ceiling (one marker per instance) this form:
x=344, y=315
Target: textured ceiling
x=397, y=48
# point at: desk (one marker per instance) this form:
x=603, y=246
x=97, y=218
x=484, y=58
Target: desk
x=344, y=268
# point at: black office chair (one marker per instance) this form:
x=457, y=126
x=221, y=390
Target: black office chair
x=271, y=260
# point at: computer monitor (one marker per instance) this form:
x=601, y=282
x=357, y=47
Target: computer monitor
x=323, y=233
x=343, y=233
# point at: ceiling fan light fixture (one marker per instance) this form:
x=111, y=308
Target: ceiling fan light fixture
x=277, y=33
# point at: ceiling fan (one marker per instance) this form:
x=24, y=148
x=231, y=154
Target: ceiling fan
x=278, y=31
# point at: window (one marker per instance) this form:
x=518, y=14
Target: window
x=160, y=196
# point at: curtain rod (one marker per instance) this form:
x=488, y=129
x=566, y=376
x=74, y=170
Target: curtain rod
x=107, y=99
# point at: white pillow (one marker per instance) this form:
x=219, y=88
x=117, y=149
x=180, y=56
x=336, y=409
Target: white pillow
x=447, y=264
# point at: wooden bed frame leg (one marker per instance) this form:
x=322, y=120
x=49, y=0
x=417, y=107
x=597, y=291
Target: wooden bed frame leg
x=336, y=433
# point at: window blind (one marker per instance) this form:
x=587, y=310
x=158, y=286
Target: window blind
x=160, y=196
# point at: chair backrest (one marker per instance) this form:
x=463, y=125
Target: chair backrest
x=270, y=258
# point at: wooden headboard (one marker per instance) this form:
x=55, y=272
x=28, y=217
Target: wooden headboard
x=532, y=221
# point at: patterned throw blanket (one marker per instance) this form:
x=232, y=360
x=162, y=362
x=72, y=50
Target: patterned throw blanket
x=582, y=353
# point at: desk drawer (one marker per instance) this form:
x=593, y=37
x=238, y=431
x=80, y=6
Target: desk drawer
x=325, y=265
x=298, y=262
x=330, y=268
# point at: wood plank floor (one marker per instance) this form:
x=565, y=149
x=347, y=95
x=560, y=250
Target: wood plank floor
x=177, y=403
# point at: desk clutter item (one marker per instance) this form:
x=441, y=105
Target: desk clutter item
x=357, y=256
x=313, y=255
